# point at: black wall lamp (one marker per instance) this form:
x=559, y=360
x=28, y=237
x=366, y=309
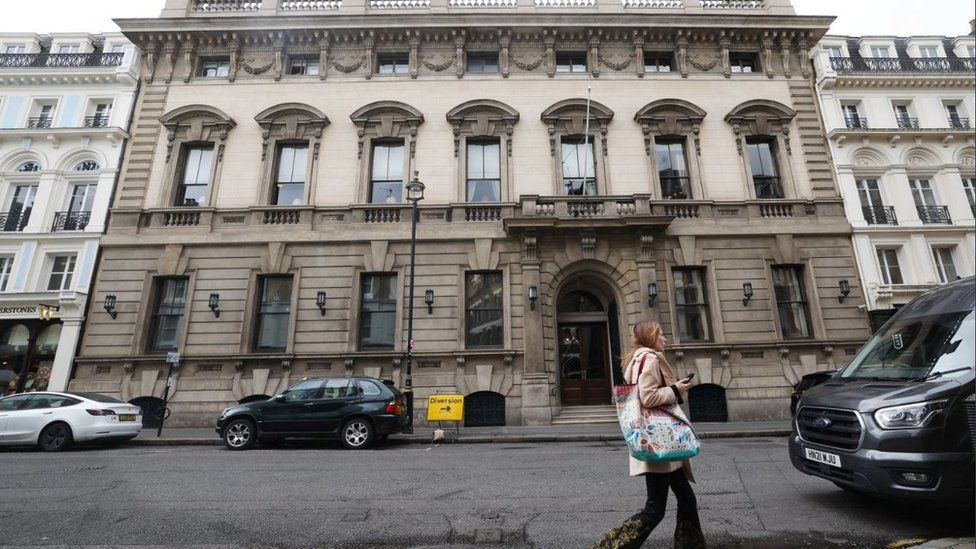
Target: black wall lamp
x=320, y=302
x=533, y=296
x=429, y=300
x=215, y=304
x=110, y=305
x=845, y=289
x=651, y=294
x=747, y=293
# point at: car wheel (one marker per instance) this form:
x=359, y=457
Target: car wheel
x=357, y=434
x=240, y=434
x=55, y=438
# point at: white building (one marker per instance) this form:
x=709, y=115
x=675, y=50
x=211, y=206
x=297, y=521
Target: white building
x=65, y=104
x=899, y=118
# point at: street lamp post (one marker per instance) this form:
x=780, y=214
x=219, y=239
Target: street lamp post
x=415, y=193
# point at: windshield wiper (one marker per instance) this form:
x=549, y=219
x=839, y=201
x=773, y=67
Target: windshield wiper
x=939, y=374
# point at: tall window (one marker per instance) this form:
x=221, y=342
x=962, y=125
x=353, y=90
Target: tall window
x=100, y=116
x=762, y=161
x=393, y=63
x=304, y=65
x=6, y=265
x=194, y=175
x=657, y=62
x=852, y=116
x=62, y=270
x=386, y=176
x=484, y=318
x=21, y=205
x=289, y=186
x=377, y=311
x=922, y=192
x=955, y=119
x=969, y=187
x=744, y=62
x=484, y=182
x=79, y=208
x=928, y=52
x=672, y=169
x=904, y=116
x=791, y=301
x=571, y=61
x=944, y=263
x=888, y=262
x=691, y=305
x=872, y=206
x=215, y=68
x=167, y=314
x=274, y=310
x=481, y=62
x=578, y=167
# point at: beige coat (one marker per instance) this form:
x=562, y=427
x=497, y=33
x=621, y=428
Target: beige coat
x=654, y=387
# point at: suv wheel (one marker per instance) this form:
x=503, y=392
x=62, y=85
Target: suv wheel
x=55, y=438
x=357, y=434
x=240, y=434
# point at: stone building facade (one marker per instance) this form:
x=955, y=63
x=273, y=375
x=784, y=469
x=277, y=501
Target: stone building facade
x=898, y=113
x=65, y=102
x=587, y=165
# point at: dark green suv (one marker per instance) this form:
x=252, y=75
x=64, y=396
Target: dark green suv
x=359, y=411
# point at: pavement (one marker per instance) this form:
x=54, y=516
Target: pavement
x=472, y=435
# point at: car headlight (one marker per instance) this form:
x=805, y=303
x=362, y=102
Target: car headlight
x=223, y=414
x=910, y=416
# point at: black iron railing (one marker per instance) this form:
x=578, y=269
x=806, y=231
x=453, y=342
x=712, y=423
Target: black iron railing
x=957, y=123
x=60, y=60
x=856, y=123
x=879, y=215
x=934, y=214
x=71, y=221
x=39, y=122
x=98, y=121
x=883, y=64
x=14, y=221
x=907, y=123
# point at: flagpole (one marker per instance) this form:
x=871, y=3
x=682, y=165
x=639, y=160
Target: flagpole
x=586, y=139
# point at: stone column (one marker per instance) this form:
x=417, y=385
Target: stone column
x=536, y=408
x=64, y=356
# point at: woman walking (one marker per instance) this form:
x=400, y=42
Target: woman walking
x=658, y=386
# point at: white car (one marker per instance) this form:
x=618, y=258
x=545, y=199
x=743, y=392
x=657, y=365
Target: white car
x=54, y=421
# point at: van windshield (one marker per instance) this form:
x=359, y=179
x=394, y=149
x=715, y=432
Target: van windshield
x=931, y=337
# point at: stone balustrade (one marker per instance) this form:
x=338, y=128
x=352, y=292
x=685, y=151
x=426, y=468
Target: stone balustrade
x=664, y=4
x=483, y=3
x=399, y=4
x=310, y=5
x=218, y=6
x=733, y=4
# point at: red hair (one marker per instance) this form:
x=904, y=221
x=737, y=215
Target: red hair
x=646, y=334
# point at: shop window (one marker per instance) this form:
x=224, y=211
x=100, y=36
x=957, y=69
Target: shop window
x=484, y=309
x=484, y=409
x=377, y=312
x=274, y=313
x=707, y=403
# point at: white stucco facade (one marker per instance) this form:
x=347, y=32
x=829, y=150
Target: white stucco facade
x=899, y=117
x=65, y=104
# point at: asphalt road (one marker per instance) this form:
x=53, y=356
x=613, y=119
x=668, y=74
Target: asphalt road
x=558, y=495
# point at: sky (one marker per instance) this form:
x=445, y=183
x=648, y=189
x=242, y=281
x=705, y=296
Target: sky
x=854, y=17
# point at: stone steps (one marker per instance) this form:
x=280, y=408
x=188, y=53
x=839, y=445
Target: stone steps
x=585, y=415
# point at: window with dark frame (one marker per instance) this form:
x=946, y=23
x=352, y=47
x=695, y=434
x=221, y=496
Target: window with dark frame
x=672, y=168
x=944, y=263
x=377, y=312
x=658, y=61
x=481, y=62
x=744, y=62
x=483, y=164
x=791, y=301
x=762, y=162
x=890, y=269
x=484, y=309
x=274, y=311
x=691, y=305
x=578, y=166
x=567, y=61
x=194, y=175
x=393, y=63
x=167, y=314
x=214, y=67
x=62, y=271
x=290, y=172
x=386, y=173
x=303, y=65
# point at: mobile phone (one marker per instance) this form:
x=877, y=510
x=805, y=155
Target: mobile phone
x=690, y=377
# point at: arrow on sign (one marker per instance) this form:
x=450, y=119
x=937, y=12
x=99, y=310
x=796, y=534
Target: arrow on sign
x=446, y=409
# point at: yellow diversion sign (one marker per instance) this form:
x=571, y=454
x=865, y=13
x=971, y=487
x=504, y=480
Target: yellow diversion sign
x=445, y=407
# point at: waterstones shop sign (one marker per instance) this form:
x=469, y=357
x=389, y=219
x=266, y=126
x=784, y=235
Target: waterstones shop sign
x=18, y=311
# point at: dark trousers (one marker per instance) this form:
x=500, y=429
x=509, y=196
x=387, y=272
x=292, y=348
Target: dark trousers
x=687, y=534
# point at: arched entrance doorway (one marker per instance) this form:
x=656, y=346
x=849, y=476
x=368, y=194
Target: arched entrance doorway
x=588, y=342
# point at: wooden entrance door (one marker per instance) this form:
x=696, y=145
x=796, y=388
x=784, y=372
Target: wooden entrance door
x=584, y=364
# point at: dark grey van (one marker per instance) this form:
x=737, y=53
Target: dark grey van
x=900, y=419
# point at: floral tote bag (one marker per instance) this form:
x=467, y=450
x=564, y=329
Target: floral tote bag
x=653, y=434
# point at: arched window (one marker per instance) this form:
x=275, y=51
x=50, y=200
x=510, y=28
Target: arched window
x=483, y=131
x=29, y=166
x=198, y=134
x=484, y=409
x=292, y=135
x=387, y=142
x=707, y=403
x=671, y=127
x=762, y=136
x=579, y=160
x=15, y=338
x=579, y=302
x=47, y=340
x=88, y=166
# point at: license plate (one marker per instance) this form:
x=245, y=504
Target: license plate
x=127, y=417
x=822, y=457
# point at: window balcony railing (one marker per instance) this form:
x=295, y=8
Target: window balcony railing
x=934, y=215
x=905, y=123
x=957, y=123
x=12, y=222
x=39, y=122
x=70, y=221
x=96, y=121
x=879, y=215
x=60, y=60
x=856, y=123
x=884, y=64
